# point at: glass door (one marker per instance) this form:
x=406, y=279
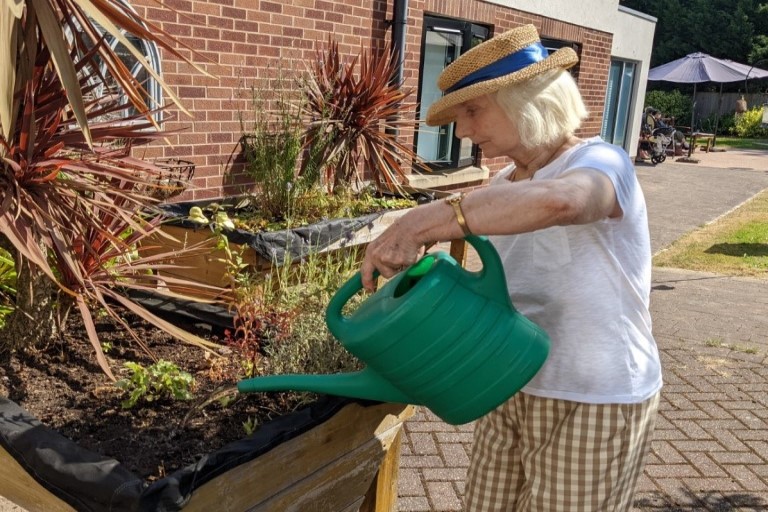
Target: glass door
x=443, y=42
x=441, y=47
x=618, y=99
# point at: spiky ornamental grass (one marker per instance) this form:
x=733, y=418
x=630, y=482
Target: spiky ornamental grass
x=354, y=117
x=73, y=208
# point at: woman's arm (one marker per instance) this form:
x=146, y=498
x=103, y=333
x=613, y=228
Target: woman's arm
x=579, y=197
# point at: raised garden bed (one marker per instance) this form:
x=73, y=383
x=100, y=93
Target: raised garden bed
x=335, y=455
x=260, y=250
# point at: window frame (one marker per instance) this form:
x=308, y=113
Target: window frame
x=618, y=102
x=150, y=51
x=469, y=32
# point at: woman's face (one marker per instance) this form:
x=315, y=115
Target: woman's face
x=484, y=122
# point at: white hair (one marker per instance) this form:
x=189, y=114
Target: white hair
x=545, y=109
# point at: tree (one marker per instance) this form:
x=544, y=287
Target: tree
x=759, y=53
x=722, y=28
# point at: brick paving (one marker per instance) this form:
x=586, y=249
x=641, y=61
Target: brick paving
x=710, y=451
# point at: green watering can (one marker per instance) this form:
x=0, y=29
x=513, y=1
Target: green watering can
x=435, y=335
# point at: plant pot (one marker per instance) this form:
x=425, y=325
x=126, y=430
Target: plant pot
x=178, y=174
x=335, y=455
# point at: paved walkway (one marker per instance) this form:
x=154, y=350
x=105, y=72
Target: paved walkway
x=711, y=446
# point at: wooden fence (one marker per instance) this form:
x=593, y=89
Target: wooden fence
x=707, y=102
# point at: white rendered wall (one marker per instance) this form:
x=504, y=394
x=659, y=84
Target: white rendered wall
x=597, y=14
x=632, y=33
x=633, y=41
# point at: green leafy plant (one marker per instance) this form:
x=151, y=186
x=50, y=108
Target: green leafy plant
x=272, y=144
x=163, y=379
x=749, y=124
x=7, y=285
x=353, y=112
x=250, y=425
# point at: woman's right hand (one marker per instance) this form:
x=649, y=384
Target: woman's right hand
x=394, y=250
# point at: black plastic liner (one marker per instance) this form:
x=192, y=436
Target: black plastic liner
x=183, y=311
x=277, y=247
x=91, y=482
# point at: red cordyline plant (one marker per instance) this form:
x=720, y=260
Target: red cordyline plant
x=354, y=117
x=73, y=208
x=29, y=25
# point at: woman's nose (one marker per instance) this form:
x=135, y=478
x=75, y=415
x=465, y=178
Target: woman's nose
x=461, y=131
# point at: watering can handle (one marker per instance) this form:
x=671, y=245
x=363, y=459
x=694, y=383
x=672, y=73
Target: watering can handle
x=342, y=296
x=491, y=280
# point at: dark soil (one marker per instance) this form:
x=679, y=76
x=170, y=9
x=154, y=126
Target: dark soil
x=63, y=387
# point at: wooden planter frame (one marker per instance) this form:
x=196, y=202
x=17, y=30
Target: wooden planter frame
x=210, y=267
x=345, y=464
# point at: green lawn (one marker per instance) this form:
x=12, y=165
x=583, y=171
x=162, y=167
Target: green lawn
x=737, y=244
x=739, y=143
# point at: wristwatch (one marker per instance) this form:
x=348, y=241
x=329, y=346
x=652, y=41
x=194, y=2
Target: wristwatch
x=455, y=201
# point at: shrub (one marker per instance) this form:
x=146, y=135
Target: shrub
x=353, y=107
x=749, y=124
x=70, y=190
x=672, y=104
x=725, y=123
x=272, y=144
x=280, y=315
x=308, y=346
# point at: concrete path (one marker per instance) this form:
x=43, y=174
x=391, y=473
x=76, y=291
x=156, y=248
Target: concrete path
x=711, y=446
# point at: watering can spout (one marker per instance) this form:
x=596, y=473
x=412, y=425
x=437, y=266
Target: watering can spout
x=365, y=384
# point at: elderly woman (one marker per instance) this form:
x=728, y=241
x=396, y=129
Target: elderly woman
x=569, y=221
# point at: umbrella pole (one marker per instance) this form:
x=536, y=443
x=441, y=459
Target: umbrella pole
x=717, y=114
x=693, y=107
x=693, y=111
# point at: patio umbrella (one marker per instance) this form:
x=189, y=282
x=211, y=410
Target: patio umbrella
x=699, y=67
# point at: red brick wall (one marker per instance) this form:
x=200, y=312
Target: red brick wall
x=242, y=42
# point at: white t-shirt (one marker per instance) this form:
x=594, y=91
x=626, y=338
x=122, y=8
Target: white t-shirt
x=588, y=287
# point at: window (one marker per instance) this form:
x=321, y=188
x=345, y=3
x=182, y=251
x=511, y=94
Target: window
x=618, y=99
x=154, y=96
x=154, y=93
x=552, y=45
x=442, y=42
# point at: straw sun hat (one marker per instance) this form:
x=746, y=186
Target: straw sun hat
x=509, y=58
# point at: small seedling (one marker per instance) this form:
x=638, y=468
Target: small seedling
x=249, y=425
x=162, y=379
